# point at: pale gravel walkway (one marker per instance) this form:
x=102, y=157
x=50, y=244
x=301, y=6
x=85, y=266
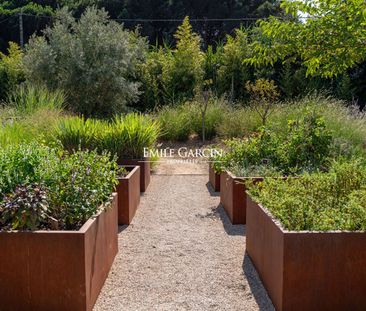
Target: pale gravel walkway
x=181, y=253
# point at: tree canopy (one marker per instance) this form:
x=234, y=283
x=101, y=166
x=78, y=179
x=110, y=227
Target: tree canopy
x=327, y=35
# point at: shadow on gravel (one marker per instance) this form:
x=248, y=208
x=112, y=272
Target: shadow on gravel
x=219, y=212
x=122, y=228
x=256, y=286
x=211, y=190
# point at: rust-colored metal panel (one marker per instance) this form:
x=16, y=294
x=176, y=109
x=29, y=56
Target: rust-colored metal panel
x=264, y=245
x=52, y=270
x=145, y=173
x=128, y=190
x=214, y=179
x=320, y=270
x=101, y=247
x=233, y=197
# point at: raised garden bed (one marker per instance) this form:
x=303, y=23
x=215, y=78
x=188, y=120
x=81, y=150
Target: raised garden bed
x=58, y=270
x=233, y=196
x=145, y=173
x=304, y=270
x=128, y=190
x=214, y=178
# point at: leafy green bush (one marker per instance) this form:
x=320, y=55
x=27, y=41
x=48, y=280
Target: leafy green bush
x=345, y=122
x=19, y=164
x=81, y=183
x=41, y=187
x=93, y=60
x=11, y=69
x=318, y=202
x=306, y=146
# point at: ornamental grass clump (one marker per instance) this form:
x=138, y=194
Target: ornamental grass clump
x=75, y=133
x=127, y=136
x=44, y=188
x=320, y=201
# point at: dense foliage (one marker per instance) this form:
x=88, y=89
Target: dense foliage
x=328, y=38
x=92, y=60
x=212, y=32
x=305, y=146
x=42, y=188
x=318, y=202
x=11, y=70
x=124, y=137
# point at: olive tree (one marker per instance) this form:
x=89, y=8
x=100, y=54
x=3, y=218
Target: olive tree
x=92, y=59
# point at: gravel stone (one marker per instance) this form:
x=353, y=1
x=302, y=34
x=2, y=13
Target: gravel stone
x=182, y=253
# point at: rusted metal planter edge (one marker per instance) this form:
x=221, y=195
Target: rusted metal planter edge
x=307, y=270
x=128, y=190
x=214, y=178
x=145, y=170
x=58, y=270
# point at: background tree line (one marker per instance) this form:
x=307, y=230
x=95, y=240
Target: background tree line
x=104, y=68
x=157, y=31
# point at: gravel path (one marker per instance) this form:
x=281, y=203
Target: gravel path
x=181, y=253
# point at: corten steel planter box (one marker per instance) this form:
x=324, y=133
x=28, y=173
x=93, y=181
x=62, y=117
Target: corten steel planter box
x=128, y=190
x=233, y=196
x=57, y=270
x=214, y=178
x=144, y=170
x=307, y=270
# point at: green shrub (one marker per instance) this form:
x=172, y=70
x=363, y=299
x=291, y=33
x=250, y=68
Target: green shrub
x=306, y=146
x=20, y=128
x=216, y=110
x=128, y=135
x=11, y=70
x=318, y=202
x=181, y=121
x=150, y=74
x=345, y=122
x=81, y=183
x=92, y=59
x=19, y=164
x=42, y=188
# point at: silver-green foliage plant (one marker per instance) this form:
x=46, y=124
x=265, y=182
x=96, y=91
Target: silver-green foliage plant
x=92, y=59
x=319, y=201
